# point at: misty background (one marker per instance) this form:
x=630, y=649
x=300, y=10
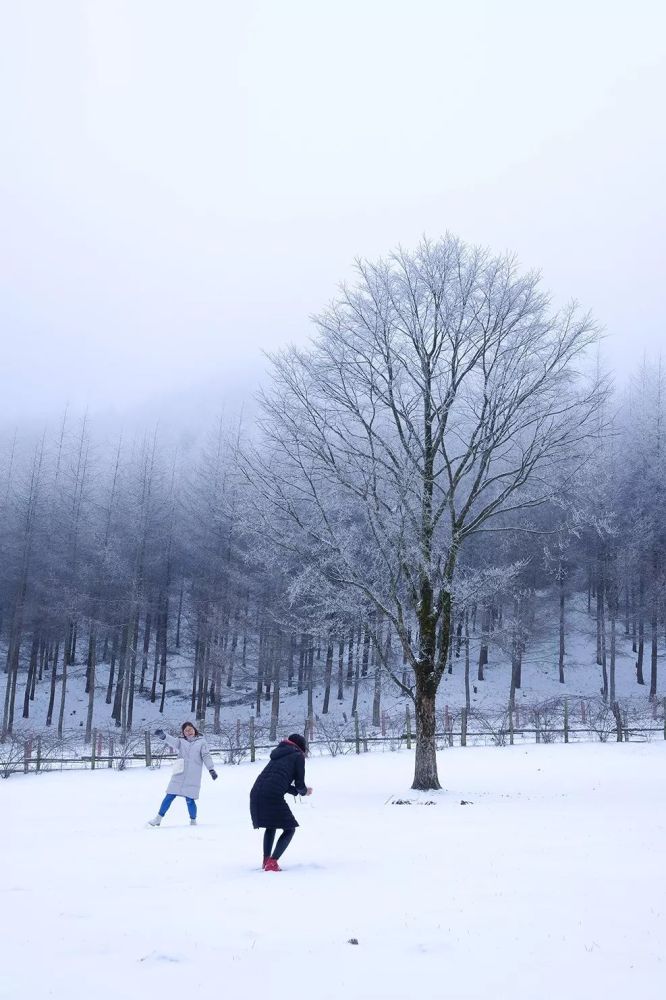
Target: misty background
x=183, y=185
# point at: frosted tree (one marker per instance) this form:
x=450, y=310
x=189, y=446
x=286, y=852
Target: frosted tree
x=439, y=393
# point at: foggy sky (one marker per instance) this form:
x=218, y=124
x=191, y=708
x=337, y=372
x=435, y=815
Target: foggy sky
x=183, y=183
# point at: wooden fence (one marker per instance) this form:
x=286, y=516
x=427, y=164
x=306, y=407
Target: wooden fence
x=549, y=722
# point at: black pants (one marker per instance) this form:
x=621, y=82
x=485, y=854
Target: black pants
x=283, y=843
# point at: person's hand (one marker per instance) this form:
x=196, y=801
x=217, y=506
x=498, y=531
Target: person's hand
x=309, y=791
x=213, y=774
x=160, y=733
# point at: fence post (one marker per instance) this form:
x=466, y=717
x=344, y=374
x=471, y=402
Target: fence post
x=357, y=733
x=238, y=734
x=664, y=707
x=365, y=738
x=93, y=748
x=110, y=751
x=38, y=761
x=408, y=728
x=27, y=751
x=537, y=731
x=149, y=756
x=383, y=722
x=463, y=727
x=310, y=728
x=566, y=721
x=252, y=746
x=510, y=726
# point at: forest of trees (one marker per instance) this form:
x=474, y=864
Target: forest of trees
x=279, y=553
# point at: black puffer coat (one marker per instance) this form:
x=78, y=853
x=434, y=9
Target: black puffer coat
x=285, y=772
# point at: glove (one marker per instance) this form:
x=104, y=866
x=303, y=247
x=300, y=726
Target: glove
x=160, y=733
x=213, y=774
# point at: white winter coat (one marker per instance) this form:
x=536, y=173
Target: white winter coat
x=194, y=754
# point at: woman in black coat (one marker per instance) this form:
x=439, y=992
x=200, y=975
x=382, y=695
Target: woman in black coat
x=285, y=772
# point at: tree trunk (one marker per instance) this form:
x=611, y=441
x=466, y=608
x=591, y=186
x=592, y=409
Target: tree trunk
x=653, y=657
x=425, y=761
x=641, y=630
x=92, y=653
x=612, y=657
x=275, y=703
x=366, y=653
x=328, y=674
x=341, y=668
x=357, y=675
x=310, y=681
x=120, y=682
x=483, y=646
x=350, y=658
x=146, y=649
x=112, y=667
x=32, y=671
x=65, y=663
x=601, y=638
x=180, y=611
x=467, y=697
x=561, y=651
x=54, y=680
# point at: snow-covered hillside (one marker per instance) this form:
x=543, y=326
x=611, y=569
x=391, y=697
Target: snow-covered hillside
x=540, y=682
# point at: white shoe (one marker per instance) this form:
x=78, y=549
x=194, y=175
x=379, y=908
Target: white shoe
x=193, y=822
x=156, y=821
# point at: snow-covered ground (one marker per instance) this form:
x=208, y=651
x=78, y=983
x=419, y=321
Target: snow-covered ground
x=551, y=882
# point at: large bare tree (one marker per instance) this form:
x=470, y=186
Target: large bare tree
x=437, y=400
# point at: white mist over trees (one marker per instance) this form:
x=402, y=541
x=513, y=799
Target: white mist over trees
x=442, y=452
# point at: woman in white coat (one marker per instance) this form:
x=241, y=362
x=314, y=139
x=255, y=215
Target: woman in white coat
x=192, y=753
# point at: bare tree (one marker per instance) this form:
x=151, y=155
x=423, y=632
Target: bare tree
x=439, y=395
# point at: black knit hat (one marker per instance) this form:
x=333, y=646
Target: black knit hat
x=299, y=741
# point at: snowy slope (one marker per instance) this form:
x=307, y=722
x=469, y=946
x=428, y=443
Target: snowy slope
x=550, y=883
x=540, y=682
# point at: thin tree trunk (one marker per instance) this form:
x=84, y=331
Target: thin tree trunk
x=275, y=703
x=112, y=667
x=63, y=685
x=54, y=681
x=32, y=671
x=146, y=648
x=654, y=650
x=92, y=650
x=561, y=650
x=467, y=695
x=612, y=657
x=180, y=611
x=328, y=674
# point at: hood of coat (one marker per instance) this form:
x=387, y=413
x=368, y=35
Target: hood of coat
x=283, y=749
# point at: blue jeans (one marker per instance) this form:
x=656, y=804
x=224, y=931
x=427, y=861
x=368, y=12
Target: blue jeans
x=168, y=799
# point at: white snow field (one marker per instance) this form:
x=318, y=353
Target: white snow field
x=551, y=882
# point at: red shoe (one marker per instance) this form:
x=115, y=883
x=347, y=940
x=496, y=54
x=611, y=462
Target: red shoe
x=264, y=863
x=271, y=865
